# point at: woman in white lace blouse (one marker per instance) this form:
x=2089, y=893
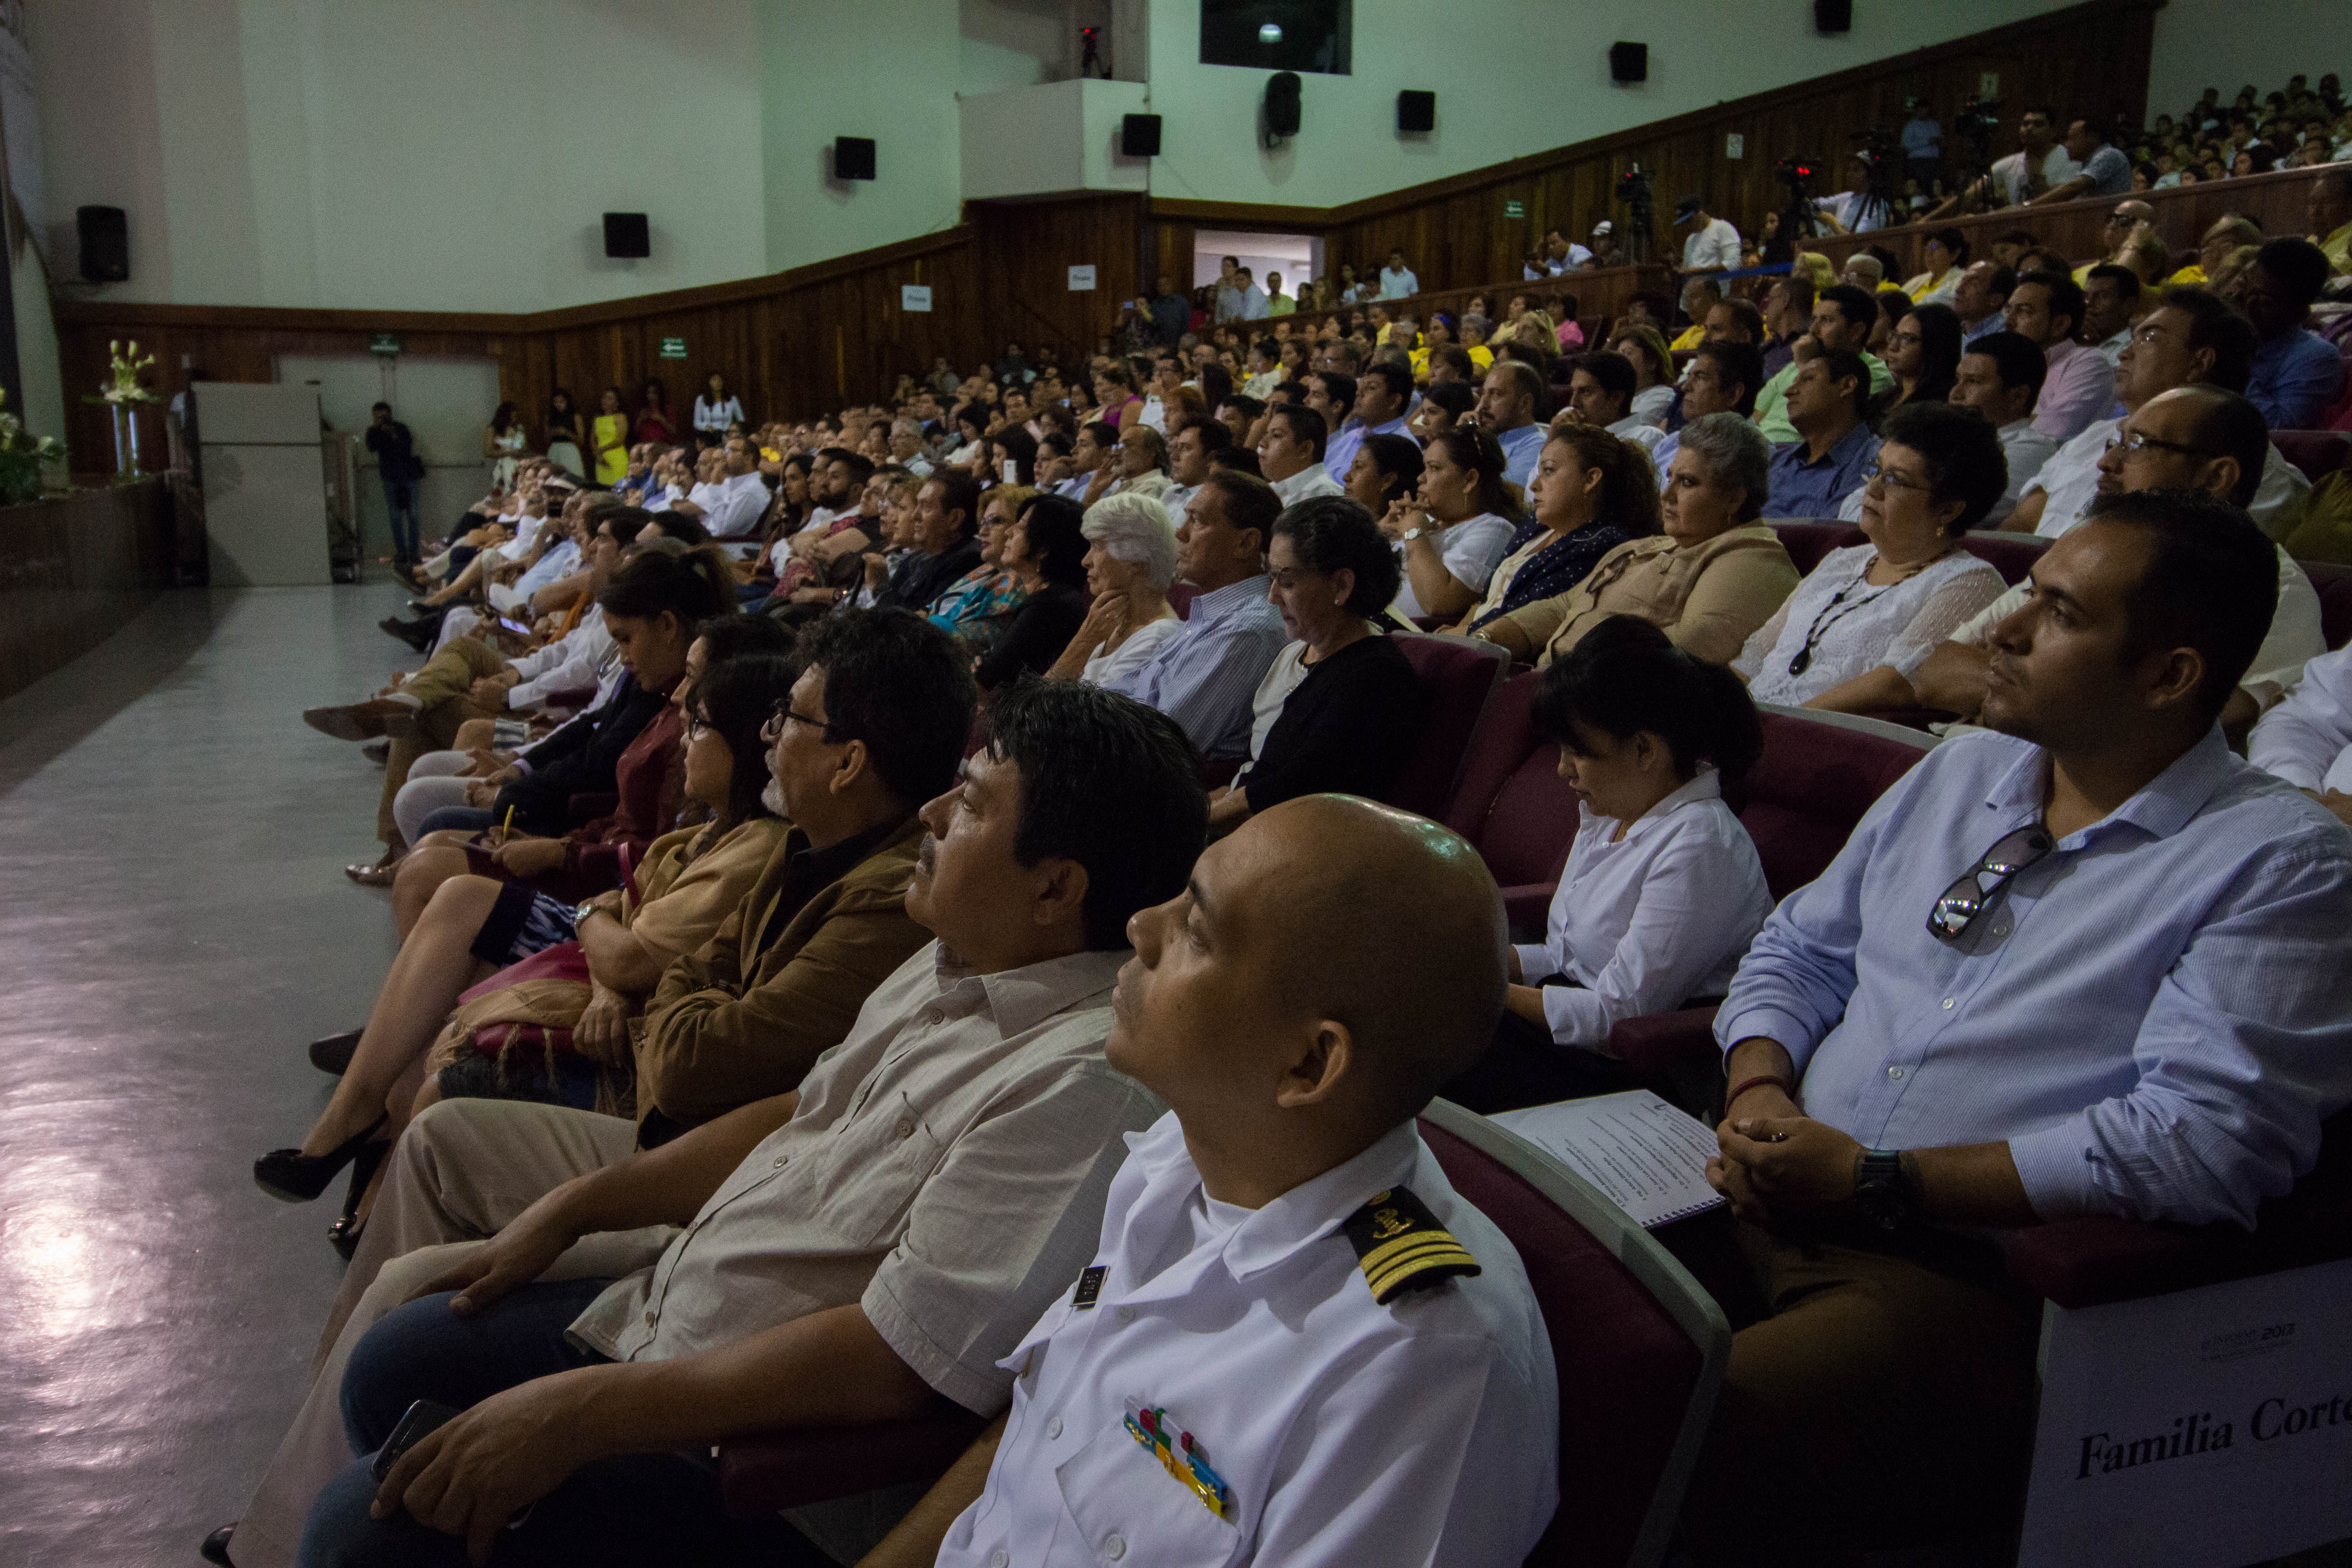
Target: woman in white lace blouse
x=1850, y=635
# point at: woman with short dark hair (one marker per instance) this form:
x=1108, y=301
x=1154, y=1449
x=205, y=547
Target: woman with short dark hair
x=1340, y=708
x=1046, y=555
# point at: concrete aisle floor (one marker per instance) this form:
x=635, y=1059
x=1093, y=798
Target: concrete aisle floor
x=175, y=927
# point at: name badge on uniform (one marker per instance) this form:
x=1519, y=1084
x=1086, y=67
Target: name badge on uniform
x=1090, y=1289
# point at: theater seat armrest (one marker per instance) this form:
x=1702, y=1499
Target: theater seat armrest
x=2096, y=1259
x=1529, y=905
x=1668, y=1046
x=778, y=1470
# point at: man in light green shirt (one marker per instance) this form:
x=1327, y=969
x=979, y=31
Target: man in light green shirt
x=1277, y=303
x=1842, y=317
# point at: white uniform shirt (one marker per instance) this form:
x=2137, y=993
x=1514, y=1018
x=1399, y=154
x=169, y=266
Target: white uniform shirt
x=1716, y=245
x=1470, y=550
x=2307, y=740
x=732, y=507
x=1314, y=479
x=1421, y=1432
x=1645, y=923
x=2295, y=639
x=2071, y=475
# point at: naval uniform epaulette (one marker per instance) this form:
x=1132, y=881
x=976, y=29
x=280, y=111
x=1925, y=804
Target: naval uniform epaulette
x=1400, y=1247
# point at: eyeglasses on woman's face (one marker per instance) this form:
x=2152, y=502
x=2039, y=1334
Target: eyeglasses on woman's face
x=1879, y=474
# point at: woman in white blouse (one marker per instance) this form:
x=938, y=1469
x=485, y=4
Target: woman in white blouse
x=1455, y=533
x=1663, y=891
x=1865, y=619
x=715, y=410
x=1130, y=563
x=1644, y=347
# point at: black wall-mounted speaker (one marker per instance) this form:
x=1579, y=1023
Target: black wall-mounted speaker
x=626, y=236
x=105, y=243
x=1139, y=136
x=1282, y=109
x=1629, y=62
x=1832, y=16
x=1416, y=112
x=853, y=157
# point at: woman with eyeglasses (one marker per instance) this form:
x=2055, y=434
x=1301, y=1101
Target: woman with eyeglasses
x=475, y=925
x=1923, y=353
x=1867, y=616
x=1663, y=891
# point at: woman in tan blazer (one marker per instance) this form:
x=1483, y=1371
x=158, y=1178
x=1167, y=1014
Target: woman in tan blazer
x=1710, y=579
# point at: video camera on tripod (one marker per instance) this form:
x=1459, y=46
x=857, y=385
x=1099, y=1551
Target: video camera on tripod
x=1972, y=128
x=1797, y=220
x=1633, y=190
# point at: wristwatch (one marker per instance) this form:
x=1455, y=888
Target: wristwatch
x=1882, y=1191
x=1409, y=534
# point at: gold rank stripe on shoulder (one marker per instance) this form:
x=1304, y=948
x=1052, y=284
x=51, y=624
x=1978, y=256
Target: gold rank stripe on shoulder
x=1400, y=1247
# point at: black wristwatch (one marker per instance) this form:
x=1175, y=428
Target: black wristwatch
x=1882, y=1191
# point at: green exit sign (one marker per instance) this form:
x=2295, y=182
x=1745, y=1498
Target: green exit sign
x=1515, y=209
x=384, y=343
x=673, y=348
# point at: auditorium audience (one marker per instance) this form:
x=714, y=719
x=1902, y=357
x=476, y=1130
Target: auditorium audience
x=1384, y=395
x=1203, y=674
x=1982, y=298
x=1827, y=403
x=1924, y=355
x=1507, y=401
x=2000, y=376
x=1849, y=636
x=1387, y=471
x=1722, y=378
x=1663, y=891
x=947, y=513
x=2193, y=437
x=1290, y=454
x=1714, y=574
x=2194, y=336
x=2307, y=740
x=2046, y=307
x=858, y=1285
x=1045, y=552
x=2214, y=1017
x=1840, y=321
x=1600, y=394
x=2297, y=375
x=1592, y=492
x=1456, y=530
x=1340, y=708
x=1131, y=564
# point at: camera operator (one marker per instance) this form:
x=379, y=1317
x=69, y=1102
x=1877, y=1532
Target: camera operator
x=1861, y=207
x=2039, y=164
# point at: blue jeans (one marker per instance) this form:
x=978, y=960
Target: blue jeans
x=456, y=819
x=639, y=1509
x=399, y=500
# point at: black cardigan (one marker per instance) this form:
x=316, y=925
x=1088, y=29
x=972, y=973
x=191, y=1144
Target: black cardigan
x=1347, y=729
x=581, y=758
x=1040, y=631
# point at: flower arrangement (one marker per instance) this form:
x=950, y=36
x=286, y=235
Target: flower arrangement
x=122, y=380
x=21, y=458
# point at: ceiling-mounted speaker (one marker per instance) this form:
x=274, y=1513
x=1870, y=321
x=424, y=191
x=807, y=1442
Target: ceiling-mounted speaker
x=627, y=236
x=853, y=157
x=1139, y=136
x=1416, y=112
x=105, y=234
x=1832, y=16
x=1629, y=62
x=1282, y=107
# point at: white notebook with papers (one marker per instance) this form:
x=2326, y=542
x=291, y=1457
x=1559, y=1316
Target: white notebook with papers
x=1646, y=1156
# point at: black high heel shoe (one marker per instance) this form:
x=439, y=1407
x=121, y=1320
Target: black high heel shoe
x=292, y=1176
x=343, y=1235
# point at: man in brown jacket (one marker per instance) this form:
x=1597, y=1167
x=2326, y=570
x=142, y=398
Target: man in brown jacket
x=875, y=727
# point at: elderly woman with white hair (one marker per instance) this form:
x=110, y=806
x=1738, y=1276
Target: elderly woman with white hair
x=1131, y=564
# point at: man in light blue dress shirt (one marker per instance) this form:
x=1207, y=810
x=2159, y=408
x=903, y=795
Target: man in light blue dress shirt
x=1384, y=395
x=1506, y=411
x=2092, y=964
x=2298, y=376
x=1835, y=449
x=1204, y=676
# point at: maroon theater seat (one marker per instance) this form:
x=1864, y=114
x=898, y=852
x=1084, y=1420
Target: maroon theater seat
x=1638, y=1345
x=2319, y=453
x=1803, y=799
x=1512, y=805
x=1809, y=540
x=1462, y=675
x=2334, y=585
x=2011, y=555
x=774, y=1471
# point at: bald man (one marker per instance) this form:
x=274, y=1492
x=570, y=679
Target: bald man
x=1294, y=1341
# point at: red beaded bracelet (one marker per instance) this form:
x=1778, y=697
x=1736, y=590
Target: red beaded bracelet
x=1745, y=1084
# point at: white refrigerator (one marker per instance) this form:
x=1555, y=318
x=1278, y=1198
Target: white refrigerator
x=265, y=486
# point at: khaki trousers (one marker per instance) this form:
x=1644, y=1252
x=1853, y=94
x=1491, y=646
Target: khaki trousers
x=445, y=687
x=1885, y=1400
x=461, y=1171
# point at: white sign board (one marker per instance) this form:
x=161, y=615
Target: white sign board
x=1082, y=279
x=914, y=295
x=2210, y=1426
x=1735, y=145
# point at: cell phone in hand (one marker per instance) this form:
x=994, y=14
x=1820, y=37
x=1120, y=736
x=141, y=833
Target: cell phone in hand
x=421, y=1417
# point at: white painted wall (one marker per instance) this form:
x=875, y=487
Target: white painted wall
x=2229, y=43
x=417, y=154
x=1057, y=137
x=1512, y=77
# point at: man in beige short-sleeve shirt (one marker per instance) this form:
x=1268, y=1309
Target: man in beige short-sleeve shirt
x=848, y=1254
